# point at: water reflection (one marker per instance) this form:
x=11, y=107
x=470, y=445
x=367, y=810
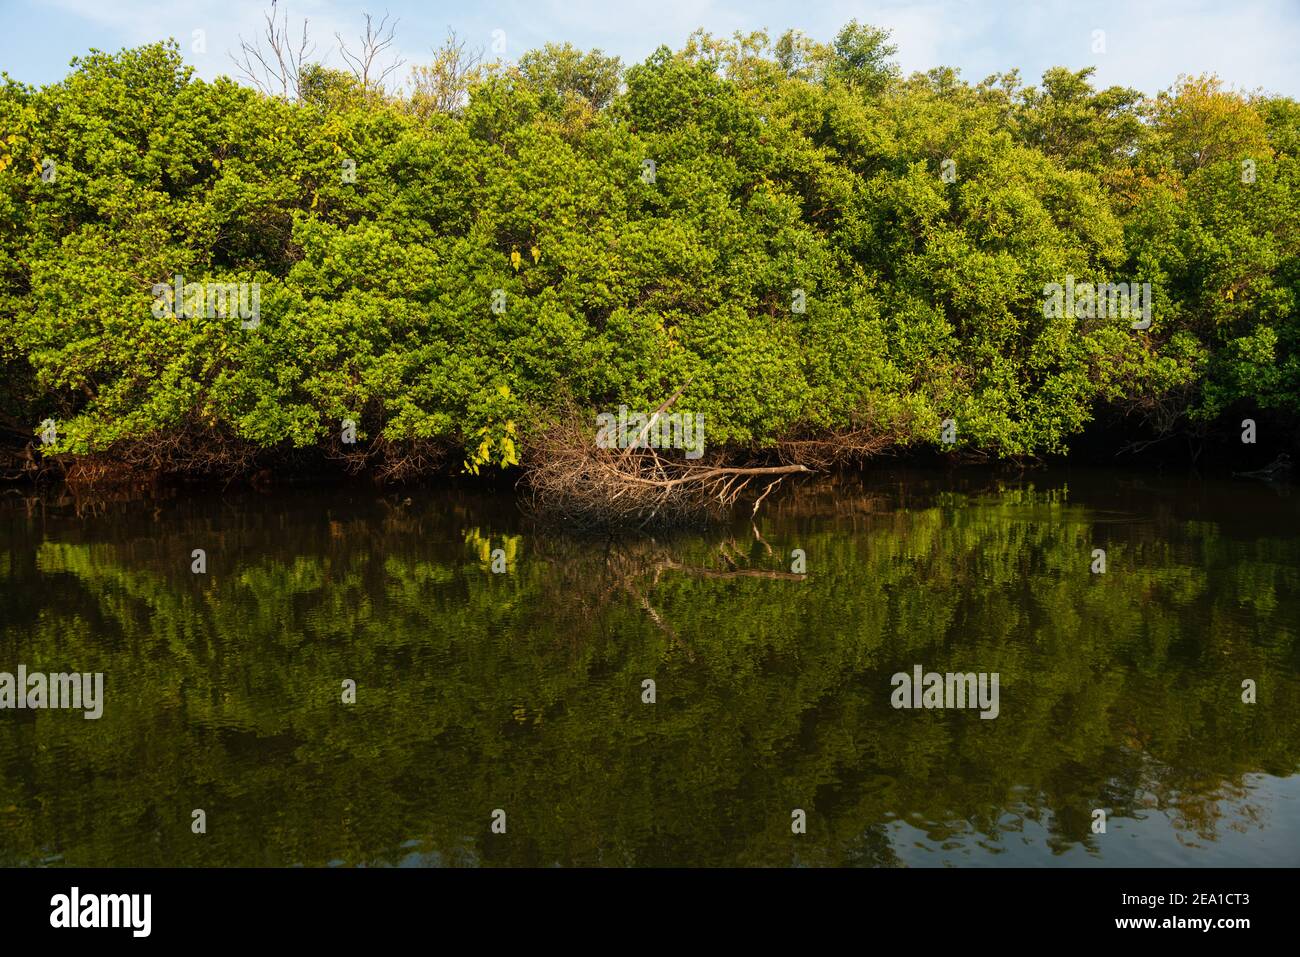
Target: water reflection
x=524, y=691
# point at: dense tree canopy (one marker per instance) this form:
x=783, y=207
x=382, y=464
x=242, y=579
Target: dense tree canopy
x=816, y=243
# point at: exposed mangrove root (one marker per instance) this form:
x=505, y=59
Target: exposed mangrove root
x=198, y=451
x=571, y=479
x=193, y=450
x=831, y=450
x=389, y=462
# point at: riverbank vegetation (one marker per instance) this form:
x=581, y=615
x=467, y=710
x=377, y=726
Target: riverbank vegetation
x=838, y=258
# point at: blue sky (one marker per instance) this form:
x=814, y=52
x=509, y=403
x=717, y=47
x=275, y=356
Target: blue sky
x=1249, y=43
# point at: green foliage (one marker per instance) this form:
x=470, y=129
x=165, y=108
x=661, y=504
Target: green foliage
x=778, y=168
x=561, y=70
x=862, y=57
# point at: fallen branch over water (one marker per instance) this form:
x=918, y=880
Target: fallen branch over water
x=572, y=479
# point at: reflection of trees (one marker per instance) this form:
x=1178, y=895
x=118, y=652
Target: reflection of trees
x=523, y=690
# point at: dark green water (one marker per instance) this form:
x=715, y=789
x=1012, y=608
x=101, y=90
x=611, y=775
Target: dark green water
x=522, y=691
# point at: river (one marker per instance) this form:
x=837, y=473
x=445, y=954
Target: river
x=525, y=696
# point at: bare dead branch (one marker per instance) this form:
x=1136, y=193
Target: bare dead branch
x=273, y=63
x=572, y=479
x=366, y=64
